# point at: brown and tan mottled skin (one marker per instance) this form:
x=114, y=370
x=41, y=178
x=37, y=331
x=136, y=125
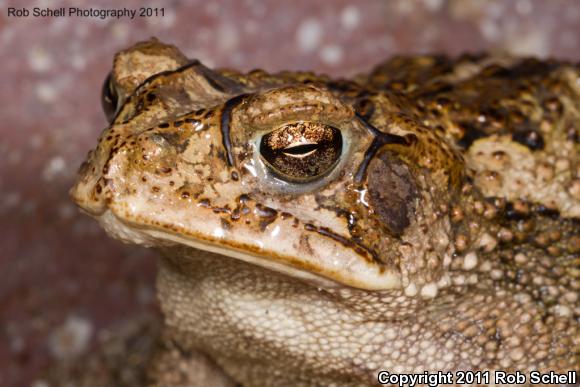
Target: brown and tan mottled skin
x=445, y=238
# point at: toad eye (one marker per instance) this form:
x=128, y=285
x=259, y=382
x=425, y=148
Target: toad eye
x=301, y=152
x=109, y=99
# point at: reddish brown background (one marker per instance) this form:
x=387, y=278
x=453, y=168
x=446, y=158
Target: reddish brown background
x=63, y=283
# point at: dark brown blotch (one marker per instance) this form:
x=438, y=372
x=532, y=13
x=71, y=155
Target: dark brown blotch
x=365, y=108
x=151, y=97
x=530, y=138
x=267, y=215
x=470, y=133
x=265, y=212
x=553, y=104
x=222, y=210
x=226, y=225
x=204, y=203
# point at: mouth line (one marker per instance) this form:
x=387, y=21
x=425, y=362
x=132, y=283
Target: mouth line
x=320, y=274
x=275, y=262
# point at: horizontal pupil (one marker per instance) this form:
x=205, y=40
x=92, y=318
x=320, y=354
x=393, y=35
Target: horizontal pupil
x=300, y=149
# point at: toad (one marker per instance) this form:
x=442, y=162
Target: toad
x=315, y=231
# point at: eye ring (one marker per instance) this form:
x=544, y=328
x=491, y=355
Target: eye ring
x=301, y=152
x=109, y=98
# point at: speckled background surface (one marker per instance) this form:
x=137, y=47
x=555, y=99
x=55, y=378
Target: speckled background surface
x=64, y=285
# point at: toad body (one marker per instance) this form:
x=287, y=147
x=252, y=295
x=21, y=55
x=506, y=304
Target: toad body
x=316, y=231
